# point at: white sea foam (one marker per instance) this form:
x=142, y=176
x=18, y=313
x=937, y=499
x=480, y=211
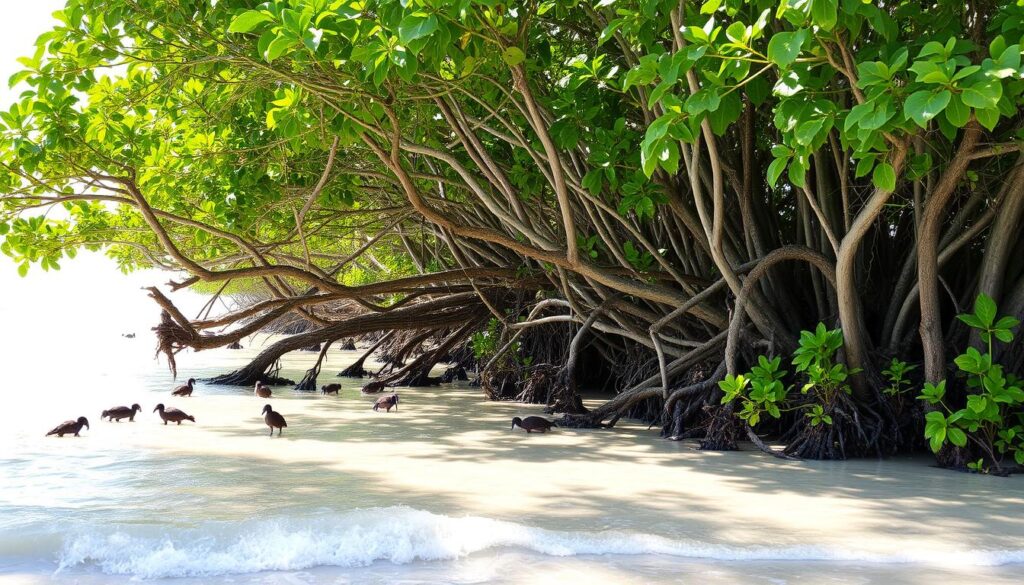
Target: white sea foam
x=402, y=535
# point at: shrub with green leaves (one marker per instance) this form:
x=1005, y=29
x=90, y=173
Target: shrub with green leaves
x=760, y=392
x=896, y=375
x=990, y=423
x=827, y=379
x=485, y=341
x=763, y=391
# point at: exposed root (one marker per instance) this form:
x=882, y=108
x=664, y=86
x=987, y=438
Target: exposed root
x=356, y=369
x=584, y=421
x=454, y=373
x=308, y=382
x=417, y=372
x=536, y=382
x=756, y=440
x=845, y=437
x=722, y=429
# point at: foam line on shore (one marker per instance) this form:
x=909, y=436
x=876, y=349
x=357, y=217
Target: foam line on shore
x=402, y=535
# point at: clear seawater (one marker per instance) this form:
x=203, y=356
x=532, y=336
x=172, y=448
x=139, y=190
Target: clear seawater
x=439, y=492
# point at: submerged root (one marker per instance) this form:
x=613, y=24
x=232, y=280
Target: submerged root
x=454, y=373
x=585, y=421
x=356, y=370
x=247, y=377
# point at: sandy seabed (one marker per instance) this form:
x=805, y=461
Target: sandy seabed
x=442, y=491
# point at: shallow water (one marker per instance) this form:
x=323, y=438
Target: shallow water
x=439, y=492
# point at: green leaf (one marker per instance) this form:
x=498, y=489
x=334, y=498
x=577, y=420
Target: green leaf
x=416, y=26
x=706, y=99
x=807, y=131
x=775, y=170
x=659, y=91
x=644, y=207
x=957, y=113
x=758, y=90
x=983, y=94
x=797, y=172
x=988, y=117
x=971, y=321
x=957, y=436
x=933, y=393
x=593, y=180
x=864, y=166
x=824, y=13
x=784, y=47
x=642, y=74
x=513, y=56
x=248, y=20
x=23, y=269
x=977, y=403
x=884, y=177
x=857, y=113
x=728, y=111
x=1006, y=323
x=1010, y=58
x=924, y=105
x=737, y=33
x=985, y=309
x=278, y=47
x=710, y=6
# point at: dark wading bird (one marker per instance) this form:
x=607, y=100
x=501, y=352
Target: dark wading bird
x=374, y=387
x=119, y=412
x=172, y=414
x=262, y=390
x=532, y=424
x=69, y=427
x=274, y=420
x=330, y=388
x=387, y=402
x=185, y=390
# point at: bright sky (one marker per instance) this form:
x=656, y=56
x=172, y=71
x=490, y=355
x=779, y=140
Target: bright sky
x=88, y=294
x=21, y=24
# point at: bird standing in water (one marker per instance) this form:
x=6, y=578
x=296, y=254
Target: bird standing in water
x=274, y=420
x=119, y=412
x=262, y=390
x=386, y=402
x=185, y=390
x=532, y=424
x=69, y=427
x=172, y=414
x=373, y=387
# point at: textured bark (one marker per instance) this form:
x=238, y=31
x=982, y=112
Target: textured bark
x=927, y=256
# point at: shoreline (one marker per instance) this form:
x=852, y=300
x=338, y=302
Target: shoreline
x=448, y=454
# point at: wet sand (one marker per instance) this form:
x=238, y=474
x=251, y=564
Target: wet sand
x=475, y=494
